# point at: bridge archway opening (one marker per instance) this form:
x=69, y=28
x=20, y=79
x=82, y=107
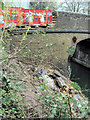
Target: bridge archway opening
x=84, y=45
x=82, y=52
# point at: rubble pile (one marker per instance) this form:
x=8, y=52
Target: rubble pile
x=56, y=82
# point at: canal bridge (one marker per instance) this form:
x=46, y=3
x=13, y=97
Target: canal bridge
x=53, y=48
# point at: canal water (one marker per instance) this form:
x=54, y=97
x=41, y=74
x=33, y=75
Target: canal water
x=81, y=75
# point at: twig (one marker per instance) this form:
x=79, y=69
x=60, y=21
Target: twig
x=70, y=107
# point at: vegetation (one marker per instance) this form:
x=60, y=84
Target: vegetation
x=42, y=5
x=54, y=105
x=72, y=50
x=59, y=105
x=11, y=103
x=78, y=6
x=76, y=86
x=14, y=75
x=1, y=4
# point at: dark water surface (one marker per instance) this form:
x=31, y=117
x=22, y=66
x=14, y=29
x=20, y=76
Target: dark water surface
x=81, y=75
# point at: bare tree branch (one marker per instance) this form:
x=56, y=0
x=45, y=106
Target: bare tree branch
x=74, y=6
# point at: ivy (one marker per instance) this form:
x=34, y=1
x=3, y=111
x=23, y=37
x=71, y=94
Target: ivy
x=60, y=105
x=72, y=50
x=76, y=86
x=10, y=100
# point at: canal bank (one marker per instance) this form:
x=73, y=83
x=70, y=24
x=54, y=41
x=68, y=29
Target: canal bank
x=81, y=75
x=79, y=65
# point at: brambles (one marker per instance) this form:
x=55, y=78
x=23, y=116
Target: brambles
x=76, y=86
x=10, y=100
x=59, y=105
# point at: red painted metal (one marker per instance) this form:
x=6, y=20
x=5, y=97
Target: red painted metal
x=1, y=18
x=21, y=16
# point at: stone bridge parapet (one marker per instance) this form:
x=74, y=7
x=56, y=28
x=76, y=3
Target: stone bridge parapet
x=75, y=21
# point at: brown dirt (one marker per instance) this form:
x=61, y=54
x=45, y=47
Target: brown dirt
x=21, y=68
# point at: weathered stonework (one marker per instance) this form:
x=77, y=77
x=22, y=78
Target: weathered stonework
x=52, y=48
x=66, y=20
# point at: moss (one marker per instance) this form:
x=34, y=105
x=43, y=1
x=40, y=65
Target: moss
x=72, y=50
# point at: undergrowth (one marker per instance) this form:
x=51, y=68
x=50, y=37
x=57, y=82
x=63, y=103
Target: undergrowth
x=54, y=105
x=11, y=101
x=60, y=105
